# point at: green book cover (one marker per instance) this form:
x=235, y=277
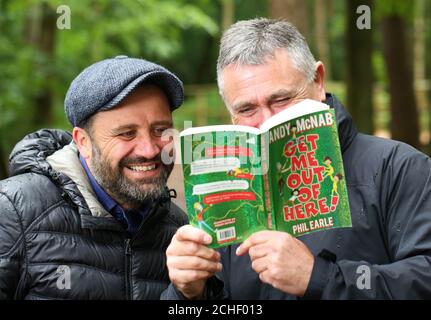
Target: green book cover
x=287, y=175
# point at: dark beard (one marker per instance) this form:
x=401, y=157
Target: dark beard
x=133, y=193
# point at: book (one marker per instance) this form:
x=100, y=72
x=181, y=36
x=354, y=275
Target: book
x=287, y=175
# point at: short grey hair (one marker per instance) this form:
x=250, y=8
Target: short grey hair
x=252, y=42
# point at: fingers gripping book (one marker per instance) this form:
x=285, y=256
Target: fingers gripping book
x=287, y=175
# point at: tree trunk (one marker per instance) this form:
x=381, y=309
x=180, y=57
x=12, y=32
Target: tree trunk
x=228, y=14
x=44, y=100
x=404, y=124
x=202, y=65
x=419, y=68
x=322, y=39
x=419, y=41
x=40, y=34
x=359, y=69
x=295, y=11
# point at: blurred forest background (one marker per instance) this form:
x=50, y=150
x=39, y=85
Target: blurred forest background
x=381, y=74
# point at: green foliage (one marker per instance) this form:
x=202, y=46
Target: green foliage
x=379, y=68
x=100, y=29
x=202, y=107
x=336, y=30
x=249, y=9
x=401, y=8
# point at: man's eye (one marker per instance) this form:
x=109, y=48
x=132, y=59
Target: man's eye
x=127, y=134
x=159, y=131
x=246, y=110
x=282, y=100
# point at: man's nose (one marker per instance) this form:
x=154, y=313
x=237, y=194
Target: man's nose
x=266, y=113
x=146, y=146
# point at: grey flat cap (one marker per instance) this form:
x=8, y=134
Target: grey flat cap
x=105, y=84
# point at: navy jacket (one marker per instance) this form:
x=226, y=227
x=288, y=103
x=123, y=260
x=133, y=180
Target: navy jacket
x=389, y=185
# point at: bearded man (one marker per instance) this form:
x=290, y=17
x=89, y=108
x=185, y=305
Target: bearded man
x=87, y=215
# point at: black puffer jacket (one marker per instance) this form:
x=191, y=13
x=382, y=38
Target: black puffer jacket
x=57, y=241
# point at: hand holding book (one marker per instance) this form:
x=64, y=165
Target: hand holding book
x=288, y=175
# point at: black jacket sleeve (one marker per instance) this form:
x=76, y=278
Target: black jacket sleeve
x=10, y=244
x=213, y=291
x=405, y=205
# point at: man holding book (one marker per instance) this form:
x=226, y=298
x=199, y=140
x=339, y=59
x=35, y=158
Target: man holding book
x=264, y=67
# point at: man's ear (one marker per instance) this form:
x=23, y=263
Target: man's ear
x=83, y=142
x=319, y=81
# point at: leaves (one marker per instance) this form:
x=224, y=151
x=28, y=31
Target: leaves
x=99, y=29
x=404, y=9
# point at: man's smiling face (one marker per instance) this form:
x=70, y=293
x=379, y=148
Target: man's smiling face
x=253, y=93
x=126, y=147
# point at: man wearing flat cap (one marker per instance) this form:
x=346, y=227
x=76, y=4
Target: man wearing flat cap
x=87, y=215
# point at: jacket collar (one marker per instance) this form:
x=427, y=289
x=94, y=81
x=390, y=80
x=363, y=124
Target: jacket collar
x=66, y=161
x=53, y=154
x=346, y=128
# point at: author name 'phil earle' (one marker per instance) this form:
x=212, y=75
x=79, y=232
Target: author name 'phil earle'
x=308, y=226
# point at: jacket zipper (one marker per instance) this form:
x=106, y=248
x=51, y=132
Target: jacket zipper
x=128, y=269
x=128, y=255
